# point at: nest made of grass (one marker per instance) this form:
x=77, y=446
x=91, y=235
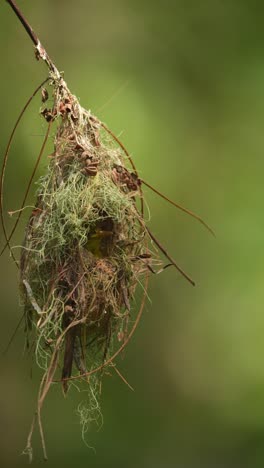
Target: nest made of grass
x=84, y=250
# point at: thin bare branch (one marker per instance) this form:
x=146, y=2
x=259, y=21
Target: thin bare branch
x=180, y=207
x=6, y=154
x=23, y=20
x=167, y=255
x=40, y=50
x=28, y=188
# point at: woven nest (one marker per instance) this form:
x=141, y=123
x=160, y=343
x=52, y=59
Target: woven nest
x=85, y=249
x=84, y=252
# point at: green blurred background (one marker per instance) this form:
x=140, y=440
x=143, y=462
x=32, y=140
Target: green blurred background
x=183, y=83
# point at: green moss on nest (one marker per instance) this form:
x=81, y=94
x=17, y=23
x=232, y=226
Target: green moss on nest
x=83, y=250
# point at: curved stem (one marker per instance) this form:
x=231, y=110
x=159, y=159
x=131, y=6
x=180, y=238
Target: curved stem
x=3, y=169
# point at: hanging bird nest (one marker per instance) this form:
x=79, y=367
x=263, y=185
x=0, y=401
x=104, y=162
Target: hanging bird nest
x=85, y=245
x=85, y=248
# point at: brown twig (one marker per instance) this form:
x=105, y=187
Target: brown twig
x=25, y=23
x=179, y=207
x=40, y=50
x=122, y=377
x=164, y=251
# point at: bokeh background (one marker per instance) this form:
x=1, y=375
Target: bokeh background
x=183, y=83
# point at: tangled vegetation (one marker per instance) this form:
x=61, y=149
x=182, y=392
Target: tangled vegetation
x=85, y=249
